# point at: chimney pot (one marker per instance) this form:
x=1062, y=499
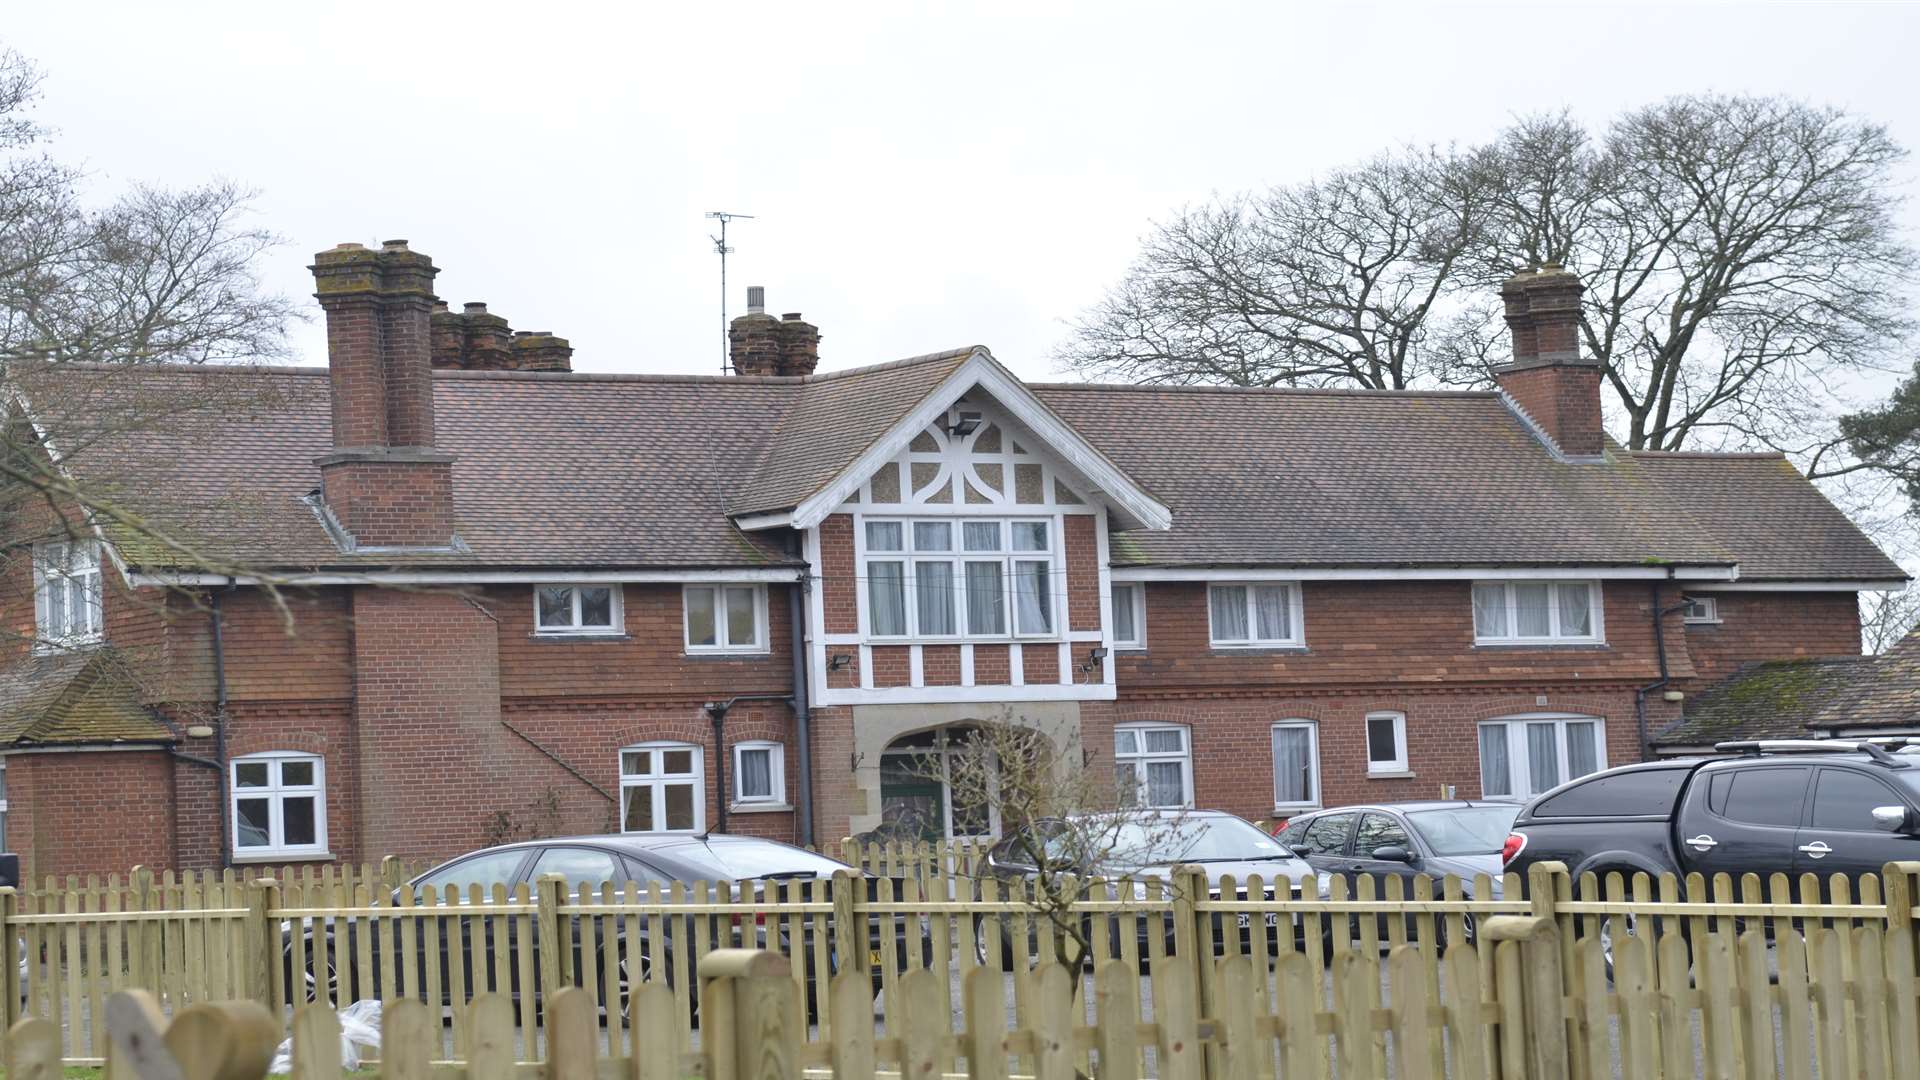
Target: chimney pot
x=756, y=299
x=349, y=247
x=394, y=245
x=791, y=316
x=439, y=305
x=475, y=307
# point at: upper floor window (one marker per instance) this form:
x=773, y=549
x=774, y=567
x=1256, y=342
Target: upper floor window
x=279, y=805
x=1129, y=616
x=954, y=577
x=66, y=582
x=1255, y=615
x=726, y=618
x=1701, y=609
x=662, y=788
x=1153, y=764
x=1536, y=612
x=576, y=609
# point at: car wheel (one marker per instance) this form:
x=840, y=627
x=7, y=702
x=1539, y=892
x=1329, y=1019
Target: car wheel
x=323, y=974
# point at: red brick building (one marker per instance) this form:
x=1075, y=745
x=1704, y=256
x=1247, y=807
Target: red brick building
x=445, y=591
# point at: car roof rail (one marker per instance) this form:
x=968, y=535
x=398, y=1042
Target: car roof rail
x=1875, y=748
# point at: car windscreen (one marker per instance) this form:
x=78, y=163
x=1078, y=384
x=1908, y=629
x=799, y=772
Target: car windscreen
x=1465, y=830
x=739, y=860
x=1132, y=843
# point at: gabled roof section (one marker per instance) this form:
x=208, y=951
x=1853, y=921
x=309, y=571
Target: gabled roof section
x=1770, y=517
x=73, y=698
x=848, y=423
x=1371, y=479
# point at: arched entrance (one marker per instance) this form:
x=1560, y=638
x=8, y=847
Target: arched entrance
x=916, y=800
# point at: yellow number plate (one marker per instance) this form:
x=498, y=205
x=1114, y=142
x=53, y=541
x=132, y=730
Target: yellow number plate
x=873, y=957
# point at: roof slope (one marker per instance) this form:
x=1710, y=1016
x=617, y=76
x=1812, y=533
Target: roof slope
x=1777, y=524
x=72, y=698
x=1369, y=478
x=1778, y=699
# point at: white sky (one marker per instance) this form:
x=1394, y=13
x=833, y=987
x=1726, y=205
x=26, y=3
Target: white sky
x=923, y=175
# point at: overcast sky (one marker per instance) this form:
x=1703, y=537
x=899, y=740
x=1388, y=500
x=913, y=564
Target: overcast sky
x=923, y=176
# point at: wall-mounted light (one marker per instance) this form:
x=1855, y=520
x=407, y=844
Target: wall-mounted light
x=967, y=424
x=838, y=661
x=1098, y=654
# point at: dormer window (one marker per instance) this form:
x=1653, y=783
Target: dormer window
x=66, y=594
x=576, y=609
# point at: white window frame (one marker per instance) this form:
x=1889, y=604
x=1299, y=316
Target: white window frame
x=75, y=581
x=1519, y=776
x=1398, y=766
x=1296, y=617
x=776, y=772
x=1133, y=595
x=1701, y=610
x=276, y=794
x=659, y=780
x=722, y=643
x=958, y=557
x=1511, y=589
x=1313, y=755
x=1140, y=758
x=3, y=804
x=616, y=626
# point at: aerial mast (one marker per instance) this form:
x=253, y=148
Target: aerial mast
x=720, y=247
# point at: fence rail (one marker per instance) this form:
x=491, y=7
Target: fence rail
x=1806, y=976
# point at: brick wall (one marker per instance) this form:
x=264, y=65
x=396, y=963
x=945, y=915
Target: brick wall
x=1773, y=626
x=95, y=813
x=1564, y=400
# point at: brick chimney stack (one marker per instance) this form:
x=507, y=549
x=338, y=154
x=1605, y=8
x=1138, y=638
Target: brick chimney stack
x=760, y=344
x=384, y=481
x=475, y=339
x=1548, y=379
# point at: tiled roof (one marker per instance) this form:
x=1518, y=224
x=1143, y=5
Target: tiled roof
x=1369, y=478
x=1759, y=506
x=1886, y=693
x=72, y=697
x=1797, y=698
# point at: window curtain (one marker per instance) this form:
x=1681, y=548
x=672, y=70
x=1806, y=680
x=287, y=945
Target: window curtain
x=1166, y=784
x=887, y=598
x=986, y=598
x=1229, y=612
x=1532, y=619
x=1490, y=611
x=933, y=596
x=1123, y=627
x=756, y=774
x=1576, y=615
x=1271, y=613
x=1543, y=756
x=1292, y=765
x=1496, y=768
x=1583, y=749
x=1032, y=593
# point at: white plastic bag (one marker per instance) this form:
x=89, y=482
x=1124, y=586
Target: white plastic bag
x=359, y=1034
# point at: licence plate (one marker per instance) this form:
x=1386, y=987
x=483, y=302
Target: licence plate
x=1246, y=920
x=873, y=957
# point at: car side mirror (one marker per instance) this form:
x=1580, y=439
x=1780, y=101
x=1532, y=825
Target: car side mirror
x=1893, y=819
x=1392, y=853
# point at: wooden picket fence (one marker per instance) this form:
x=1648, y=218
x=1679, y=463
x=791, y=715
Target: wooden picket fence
x=1781, y=977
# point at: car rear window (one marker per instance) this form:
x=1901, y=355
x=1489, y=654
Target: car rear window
x=1635, y=793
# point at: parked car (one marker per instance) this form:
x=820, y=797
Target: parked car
x=748, y=862
x=1144, y=845
x=1406, y=840
x=1793, y=806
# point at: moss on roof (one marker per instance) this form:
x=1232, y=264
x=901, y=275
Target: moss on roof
x=73, y=697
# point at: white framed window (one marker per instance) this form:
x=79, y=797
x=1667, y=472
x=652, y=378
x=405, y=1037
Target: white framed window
x=1536, y=612
x=1386, y=743
x=726, y=618
x=1701, y=609
x=663, y=788
x=1129, y=615
x=1154, y=762
x=1522, y=756
x=577, y=609
x=279, y=804
x=1244, y=615
x=759, y=773
x=3, y=805
x=66, y=592
x=1296, y=765
x=948, y=578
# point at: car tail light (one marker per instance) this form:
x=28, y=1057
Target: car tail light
x=1509, y=851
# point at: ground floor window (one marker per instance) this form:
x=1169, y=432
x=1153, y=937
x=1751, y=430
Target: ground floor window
x=662, y=788
x=1154, y=764
x=759, y=773
x=1386, y=743
x=1296, y=765
x=1522, y=756
x=279, y=804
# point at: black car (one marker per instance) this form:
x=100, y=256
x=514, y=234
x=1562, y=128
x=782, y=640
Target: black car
x=644, y=859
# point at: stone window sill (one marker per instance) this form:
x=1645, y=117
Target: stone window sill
x=760, y=808
x=1391, y=774
x=274, y=860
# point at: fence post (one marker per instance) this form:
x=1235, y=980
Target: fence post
x=549, y=893
x=750, y=1022
x=9, y=956
x=393, y=872
x=1545, y=1014
x=147, y=964
x=263, y=896
x=1189, y=884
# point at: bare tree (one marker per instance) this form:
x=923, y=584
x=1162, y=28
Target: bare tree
x=1887, y=618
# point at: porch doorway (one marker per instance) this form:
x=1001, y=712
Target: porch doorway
x=916, y=801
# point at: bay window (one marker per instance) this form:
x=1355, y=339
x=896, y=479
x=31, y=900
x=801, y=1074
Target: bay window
x=1254, y=615
x=1523, y=756
x=959, y=577
x=1536, y=612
